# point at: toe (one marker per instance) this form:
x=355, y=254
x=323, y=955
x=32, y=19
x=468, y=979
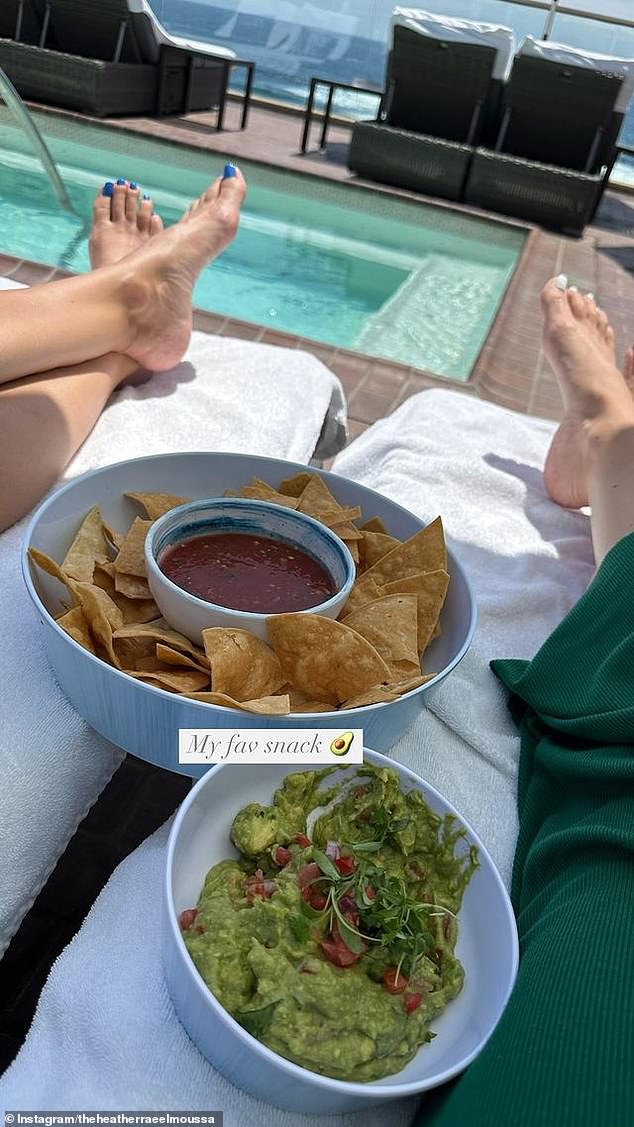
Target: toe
x=101, y=208
x=577, y=303
x=233, y=186
x=131, y=202
x=602, y=322
x=119, y=196
x=213, y=191
x=156, y=225
x=144, y=216
x=609, y=336
x=555, y=307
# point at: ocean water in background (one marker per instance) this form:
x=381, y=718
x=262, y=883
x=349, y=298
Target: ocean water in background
x=292, y=40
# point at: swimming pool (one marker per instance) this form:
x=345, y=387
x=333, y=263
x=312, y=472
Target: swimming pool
x=329, y=262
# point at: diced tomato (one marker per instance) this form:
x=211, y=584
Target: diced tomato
x=392, y=983
x=336, y=952
x=186, y=918
x=309, y=879
x=412, y=1002
x=302, y=840
x=257, y=886
x=282, y=855
x=346, y=865
x=308, y=874
x=370, y=892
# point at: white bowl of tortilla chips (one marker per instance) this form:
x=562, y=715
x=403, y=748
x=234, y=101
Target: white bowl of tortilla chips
x=137, y=681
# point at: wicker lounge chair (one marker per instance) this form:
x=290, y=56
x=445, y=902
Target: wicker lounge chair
x=556, y=141
x=128, y=31
x=91, y=86
x=440, y=94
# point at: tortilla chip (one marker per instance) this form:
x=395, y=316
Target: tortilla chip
x=176, y=680
x=115, y=539
x=51, y=567
x=390, y=625
x=344, y=529
x=242, y=666
x=133, y=610
x=260, y=491
x=373, y=547
x=383, y=694
x=353, y=548
x=430, y=588
x=361, y=594
x=300, y=703
x=140, y=640
x=267, y=706
x=295, y=486
x=172, y=657
x=103, y=616
x=89, y=547
x=132, y=586
x=317, y=500
x=131, y=557
x=425, y=551
x=75, y=624
x=155, y=504
x=375, y=524
x=324, y=659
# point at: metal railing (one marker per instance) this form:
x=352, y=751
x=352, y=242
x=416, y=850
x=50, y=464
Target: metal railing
x=20, y=113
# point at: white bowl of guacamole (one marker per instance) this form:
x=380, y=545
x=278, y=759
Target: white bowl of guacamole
x=333, y=939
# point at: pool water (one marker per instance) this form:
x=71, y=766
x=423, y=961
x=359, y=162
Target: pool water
x=333, y=263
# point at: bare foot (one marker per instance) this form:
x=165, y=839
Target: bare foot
x=158, y=287
x=121, y=224
x=579, y=344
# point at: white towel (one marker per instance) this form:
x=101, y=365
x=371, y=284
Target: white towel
x=227, y=395
x=105, y=1034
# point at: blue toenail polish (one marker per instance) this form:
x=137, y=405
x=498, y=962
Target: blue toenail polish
x=146, y=197
x=121, y=182
x=230, y=170
x=133, y=185
x=107, y=188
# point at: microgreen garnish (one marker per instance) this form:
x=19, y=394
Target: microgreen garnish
x=325, y=864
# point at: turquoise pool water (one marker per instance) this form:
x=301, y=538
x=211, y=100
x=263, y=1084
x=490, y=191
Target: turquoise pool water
x=332, y=263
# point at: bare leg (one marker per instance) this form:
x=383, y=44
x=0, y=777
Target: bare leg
x=44, y=419
x=140, y=305
x=591, y=459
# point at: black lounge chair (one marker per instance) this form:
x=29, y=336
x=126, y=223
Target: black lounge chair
x=439, y=99
x=555, y=145
x=128, y=31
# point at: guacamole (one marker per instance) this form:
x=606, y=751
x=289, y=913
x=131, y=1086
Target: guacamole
x=331, y=938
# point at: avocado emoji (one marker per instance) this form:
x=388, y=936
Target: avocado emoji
x=341, y=746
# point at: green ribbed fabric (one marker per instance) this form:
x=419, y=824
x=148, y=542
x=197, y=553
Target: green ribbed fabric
x=563, y=1052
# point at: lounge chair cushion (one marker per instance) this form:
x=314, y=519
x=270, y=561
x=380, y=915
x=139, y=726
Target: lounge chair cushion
x=459, y=31
x=575, y=57
x=151, y=35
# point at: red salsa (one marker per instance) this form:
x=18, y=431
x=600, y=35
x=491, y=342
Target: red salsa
x=247, y=572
